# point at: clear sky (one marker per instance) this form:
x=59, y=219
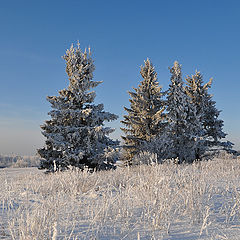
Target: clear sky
x=203, y=35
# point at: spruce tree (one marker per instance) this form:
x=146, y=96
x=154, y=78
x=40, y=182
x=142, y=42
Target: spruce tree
x=145, y=117
x=184, y=131
x=207, y=113
x=75, y=134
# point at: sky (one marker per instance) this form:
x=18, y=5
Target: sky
x=34, y=35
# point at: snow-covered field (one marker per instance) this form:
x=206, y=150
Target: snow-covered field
x=198, y=201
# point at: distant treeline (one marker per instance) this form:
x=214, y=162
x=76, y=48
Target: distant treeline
x=18, y=161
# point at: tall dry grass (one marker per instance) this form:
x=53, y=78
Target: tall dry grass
x=168, y=201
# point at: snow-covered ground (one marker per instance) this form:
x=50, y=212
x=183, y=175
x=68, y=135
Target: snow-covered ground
x=198, y=201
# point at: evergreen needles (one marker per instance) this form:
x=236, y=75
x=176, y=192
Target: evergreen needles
x=181, y=123
x=145, y=117
x=184, y=126
x=76, y=135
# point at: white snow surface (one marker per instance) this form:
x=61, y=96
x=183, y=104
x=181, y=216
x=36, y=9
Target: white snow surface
x=167, y=201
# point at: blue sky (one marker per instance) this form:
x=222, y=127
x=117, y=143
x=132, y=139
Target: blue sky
x=201, y=35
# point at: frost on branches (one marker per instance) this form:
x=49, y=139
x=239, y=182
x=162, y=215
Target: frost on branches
x=76, y=135
x=183, y=134
x=145, y=117
x=208, y=114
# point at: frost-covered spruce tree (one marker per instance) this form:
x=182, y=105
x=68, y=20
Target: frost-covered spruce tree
x=184, y=131
x=207, y=113
x=76, y=135
x=145, y=117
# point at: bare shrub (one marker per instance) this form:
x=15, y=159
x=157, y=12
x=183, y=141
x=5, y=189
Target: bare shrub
x=16, y=161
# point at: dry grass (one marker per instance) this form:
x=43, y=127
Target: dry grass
x=198, y=201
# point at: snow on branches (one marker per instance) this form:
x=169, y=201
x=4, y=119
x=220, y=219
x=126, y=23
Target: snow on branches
x=75, y=135
x=145, y=117
x=189, y=127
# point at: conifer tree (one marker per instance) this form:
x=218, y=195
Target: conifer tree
x=76, y=135
x=207, y=113
x=184, y=131
x=145, y=118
